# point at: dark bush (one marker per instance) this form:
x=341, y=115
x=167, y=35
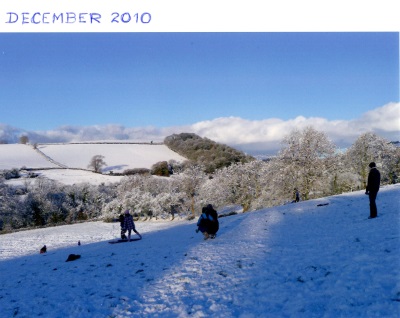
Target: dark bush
x=11, y=174
x=160, y=169
x=136, y=171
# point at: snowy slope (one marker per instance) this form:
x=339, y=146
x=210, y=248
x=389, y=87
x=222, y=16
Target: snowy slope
x=17, y=156
x=297, y=260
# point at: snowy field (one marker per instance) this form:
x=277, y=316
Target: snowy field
x=67, y=176
x=297, y=260
x=17, y=156
x=118, y=157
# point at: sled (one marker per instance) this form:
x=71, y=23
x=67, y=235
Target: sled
x=125, y=241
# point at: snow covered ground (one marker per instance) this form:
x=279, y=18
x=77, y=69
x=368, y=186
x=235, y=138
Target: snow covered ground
x=297, y=260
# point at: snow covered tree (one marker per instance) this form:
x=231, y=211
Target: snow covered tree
x=305, y=161
x=370, y=147
x=11, y=208
x=146, y=197
x=97, y=163
x=342, y=179
x=393, y=165
x=44, y=203
x=239, y=184
x=191, y=181
x=86, y=201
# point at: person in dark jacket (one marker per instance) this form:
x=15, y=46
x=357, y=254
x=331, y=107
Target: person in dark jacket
x=374, y=181
x=208, y=222
x=121, y=223
x=296, y=195
x=203, y=223
x=129, y=225
x=214, y=225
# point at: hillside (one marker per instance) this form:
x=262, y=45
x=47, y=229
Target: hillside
x=69, y=162
x=204, y=151
x=296, y=260
x=18, y=156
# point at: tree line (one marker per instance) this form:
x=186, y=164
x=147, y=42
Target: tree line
x=308, y=161
x=203, y=151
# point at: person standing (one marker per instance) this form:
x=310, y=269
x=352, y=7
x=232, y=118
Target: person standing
x=296, y=196
x=122, y=224
x=129, y=225
x=374, y=181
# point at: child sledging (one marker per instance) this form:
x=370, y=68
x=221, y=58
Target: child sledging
x=127, y=225
x=208, y=223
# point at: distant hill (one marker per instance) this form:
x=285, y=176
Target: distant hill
x=204, y=151
x=117, y=156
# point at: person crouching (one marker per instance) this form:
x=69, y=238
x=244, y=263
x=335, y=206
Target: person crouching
x=205, y=224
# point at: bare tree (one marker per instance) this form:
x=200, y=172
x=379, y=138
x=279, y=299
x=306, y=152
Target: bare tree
x=23, y=140
x=97, y=163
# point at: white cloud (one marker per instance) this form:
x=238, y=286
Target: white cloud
x=385, y=118
x=253, y=136
x=265, y=135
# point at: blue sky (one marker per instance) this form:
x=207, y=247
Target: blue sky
x=50, y=80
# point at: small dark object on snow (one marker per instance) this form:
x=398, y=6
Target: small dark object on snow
x=322, y=204
x=72, y=257
x=79, y=243
x=43, y=249
x=223, y=274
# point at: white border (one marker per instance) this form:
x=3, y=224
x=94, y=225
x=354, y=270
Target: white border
x=204, y=16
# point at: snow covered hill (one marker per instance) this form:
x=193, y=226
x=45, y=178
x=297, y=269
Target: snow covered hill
x=18, y=156
x=118, y=157
x=297, y=260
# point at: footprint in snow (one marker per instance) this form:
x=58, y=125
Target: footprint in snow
x=222, y=273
